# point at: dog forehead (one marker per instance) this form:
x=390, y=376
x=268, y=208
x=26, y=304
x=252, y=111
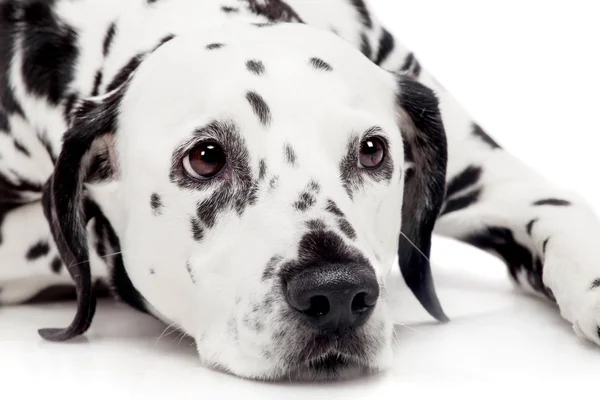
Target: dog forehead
x=294, y=65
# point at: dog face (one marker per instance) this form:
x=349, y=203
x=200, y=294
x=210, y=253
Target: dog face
x=255, y=181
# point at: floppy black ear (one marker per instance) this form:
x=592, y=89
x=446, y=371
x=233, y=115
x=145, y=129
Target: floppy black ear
x=85, y=157
x=426, y=151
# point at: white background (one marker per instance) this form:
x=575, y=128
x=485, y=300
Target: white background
x=528, y=72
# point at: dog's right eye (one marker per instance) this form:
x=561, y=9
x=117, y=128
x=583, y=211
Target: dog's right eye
x=204, y=161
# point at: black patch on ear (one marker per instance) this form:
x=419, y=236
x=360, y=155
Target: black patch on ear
x=270, y=267
x=306, y=201
x=461, y=202
x=156, y=204
x=21, y=148
x=363, y=13
x=365, y=46
x=10, y=25
x=256, y=67
x=552, y=202
x=386, y=46
x=49, y=51
x=56, y=265
x=188, y=267
x=229, y=10
x=319, y=64
x=108, y=38
x=197, y=230
x=424, y=192
x=468, y=177
x=260, y=107
x=214, y=46
x=97, y=83
x=38, y=250
x=596, y=284
x=484, y=137
x=125, y=72
x=517, y=257
x=290, y=155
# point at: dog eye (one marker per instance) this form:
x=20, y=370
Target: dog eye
x=204, y=161
x=372, y=152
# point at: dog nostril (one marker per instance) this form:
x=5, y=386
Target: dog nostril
x=360, y=304
x=319, y=306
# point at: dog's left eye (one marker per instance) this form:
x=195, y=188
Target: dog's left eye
x=372, y=152
x=204, y=161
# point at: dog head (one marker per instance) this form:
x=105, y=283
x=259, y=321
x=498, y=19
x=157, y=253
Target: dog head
x=259, y=183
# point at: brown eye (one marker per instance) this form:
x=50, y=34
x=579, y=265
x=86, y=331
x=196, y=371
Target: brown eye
x=204, y=161
x=372, y=152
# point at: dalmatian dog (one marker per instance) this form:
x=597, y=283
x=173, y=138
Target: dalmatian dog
x=249, y=171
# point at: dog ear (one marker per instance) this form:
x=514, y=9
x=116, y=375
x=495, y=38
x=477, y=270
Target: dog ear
x=86, y=156
x=425, y=150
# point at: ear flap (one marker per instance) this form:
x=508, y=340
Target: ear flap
x=85, y=157
x=426, y=150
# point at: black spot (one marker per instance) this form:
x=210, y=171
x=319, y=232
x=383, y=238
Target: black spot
x=49, y=51
x=260, y=107
x=56, y=265
x=467, y=178
x=363, y=13
x=552, y=202
x=255, y=66
x=262, y=169
x=517, y=257
x=124, y=73
x=262, y=24
x=480, y=133
x=596, y=284
x=152, y=271
x=270, y=267
x=598, y=331
x=97, y=83
x=319, y=64
x=38, y=250
x=188, y=267
x=214, y=46
x=334, y=209
x=164, y=40
x=365, y=46
x=529, y=226
x=290, y=155
x=305, y=202
x=346, y=228
x=544, y=245
x=229, y=10
x=411, y=66
x=108, y=38
x=21, y=148
x=461, y=202
x=156, y=204
x=386, y=46
x=4, y=124
x=316, y=225
x=197, y=231
x=274, y=10
x=273, y=183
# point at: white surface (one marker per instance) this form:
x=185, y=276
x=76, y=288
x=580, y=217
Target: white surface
x=529, y=72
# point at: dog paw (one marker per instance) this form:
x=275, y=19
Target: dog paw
x=586, y=316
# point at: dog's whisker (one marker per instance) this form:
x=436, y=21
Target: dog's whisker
x=165, y=335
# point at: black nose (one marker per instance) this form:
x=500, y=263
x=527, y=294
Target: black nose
x=334, y=297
